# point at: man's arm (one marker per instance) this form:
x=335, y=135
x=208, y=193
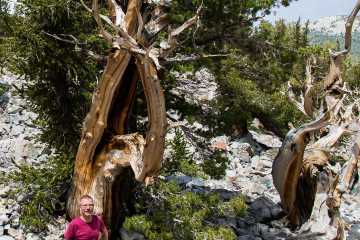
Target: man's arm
x=69, y=235
x=104, y=235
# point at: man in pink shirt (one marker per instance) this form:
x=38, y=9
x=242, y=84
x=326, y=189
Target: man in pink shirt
x=87, y=226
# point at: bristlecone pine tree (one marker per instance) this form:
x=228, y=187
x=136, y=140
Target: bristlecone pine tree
x=309, y=188
x=106, y=147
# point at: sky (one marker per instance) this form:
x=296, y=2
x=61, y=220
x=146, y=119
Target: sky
x=312, y=10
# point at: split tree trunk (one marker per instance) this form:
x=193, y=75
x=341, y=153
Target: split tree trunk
x=107, y=149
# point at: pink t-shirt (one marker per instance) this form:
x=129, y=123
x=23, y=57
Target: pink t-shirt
x=80, y=230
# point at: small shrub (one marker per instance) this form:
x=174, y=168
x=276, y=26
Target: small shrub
x=3, y=90
x=43, y=188
x=235, y=207
x=216, y=167
x=181, y=159
x=167, y=212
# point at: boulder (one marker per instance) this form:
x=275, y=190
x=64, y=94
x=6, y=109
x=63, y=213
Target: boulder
x=15, y=234
x=269, y=141
x=260, y=209
x=355, y=231
x=181, y=180
x=130, y=235
x=6, y=237
x=196, y=183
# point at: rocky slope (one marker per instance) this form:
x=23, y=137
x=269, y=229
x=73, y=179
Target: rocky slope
x=249, y=172
x=332, y=29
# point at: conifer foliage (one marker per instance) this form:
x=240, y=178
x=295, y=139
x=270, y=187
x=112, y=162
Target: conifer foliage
x=58, y=84
x=59, y=81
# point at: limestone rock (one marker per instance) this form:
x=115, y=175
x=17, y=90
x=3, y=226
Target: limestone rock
x=130, y=235
x=267, y=140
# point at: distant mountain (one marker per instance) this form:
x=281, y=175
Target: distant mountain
x=333, y=29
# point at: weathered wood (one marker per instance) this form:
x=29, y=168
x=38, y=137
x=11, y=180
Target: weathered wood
x=352, y=163
x=287, y=164
x=310, y=110
x=324, y=217
x=107, y=149
x=309, y=189
x=94, y=126
x=93, y=129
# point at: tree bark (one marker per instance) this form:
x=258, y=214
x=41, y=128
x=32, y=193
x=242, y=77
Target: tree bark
x=104, y=149
x=107, y=149
x=309, y=189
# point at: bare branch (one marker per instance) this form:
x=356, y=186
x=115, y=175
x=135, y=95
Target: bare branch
x=348, y=26
x=308, y=105
x=119, y=25
x=349, y=110
x=166, y=61
x=170, y=45
x=291, y=97
x=147, y=67
x=119, y=15
x=334, y=76
x=85, y=6
x=140, y=27
x=158, y=22
x=193, y=40
x=351, y=165
x=172, y=125
x=332, y=137
x=79, y=47
x=95, y=56
x=95, y=10
x=186, y=24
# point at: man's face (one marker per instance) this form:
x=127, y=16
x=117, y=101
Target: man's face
x=86, y=207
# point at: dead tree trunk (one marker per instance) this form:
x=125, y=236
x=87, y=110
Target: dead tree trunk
x=309, y=189
x=107, y=148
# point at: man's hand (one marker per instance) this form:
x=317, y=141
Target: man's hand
x=104, y=235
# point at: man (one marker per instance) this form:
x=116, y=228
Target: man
x=87, y=226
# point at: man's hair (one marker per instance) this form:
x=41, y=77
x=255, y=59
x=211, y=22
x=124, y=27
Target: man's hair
x=85, y=197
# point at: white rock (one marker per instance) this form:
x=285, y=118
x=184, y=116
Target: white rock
x=3, y=219
x=255, y=162
x=14, y=109
x=3, y=192
x=266, y=163
x=196, y=182
x=32, y=236
x=130, y=235
x=355, y=231
x=15, y=233
x=6, y=237
x=265, y=139
x=4, y=126
x=180, y=179
x=23, y=118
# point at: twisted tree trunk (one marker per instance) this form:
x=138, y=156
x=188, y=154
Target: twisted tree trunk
x=309, y=189
x=107, y=149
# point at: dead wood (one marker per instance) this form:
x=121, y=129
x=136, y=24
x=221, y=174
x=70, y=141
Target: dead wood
x=310, y=190
x=107, y=149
